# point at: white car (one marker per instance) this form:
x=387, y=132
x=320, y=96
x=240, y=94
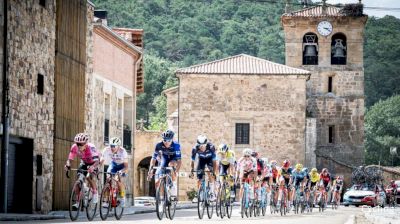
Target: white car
x=371, y=195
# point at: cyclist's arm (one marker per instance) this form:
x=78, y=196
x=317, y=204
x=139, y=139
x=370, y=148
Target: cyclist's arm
x=71, y=156
x=193, y=158
x=153, y=160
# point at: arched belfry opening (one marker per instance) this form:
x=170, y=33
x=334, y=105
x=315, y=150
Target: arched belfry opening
x=339, y=49
x=310, y=49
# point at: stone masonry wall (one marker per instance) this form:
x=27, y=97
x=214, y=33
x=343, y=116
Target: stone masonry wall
x=89, y=83
x=273, y=105
x=32, y=52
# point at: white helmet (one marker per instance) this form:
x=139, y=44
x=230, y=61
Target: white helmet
x=247, y=152
x=201, y=139
x=81, y=138
x=265, y=159
x=115, y=141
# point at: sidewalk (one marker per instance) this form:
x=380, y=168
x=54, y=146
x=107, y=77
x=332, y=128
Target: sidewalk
x=382, y=215
x=65, y=215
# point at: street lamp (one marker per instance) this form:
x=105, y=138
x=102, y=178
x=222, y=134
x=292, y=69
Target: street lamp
x=393, y=152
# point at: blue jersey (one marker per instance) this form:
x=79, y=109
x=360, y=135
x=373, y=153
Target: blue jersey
x=208, y=154
x=168, y=154
x=298, y=176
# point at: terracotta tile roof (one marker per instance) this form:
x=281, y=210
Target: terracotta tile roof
x=242, y=64
x=316, y=11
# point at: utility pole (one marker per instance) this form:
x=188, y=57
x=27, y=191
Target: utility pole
x=5, y=112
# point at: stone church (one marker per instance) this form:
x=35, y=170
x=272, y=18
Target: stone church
x=310, y=110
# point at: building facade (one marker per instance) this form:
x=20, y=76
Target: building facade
x=245, y=102
x=328, y=41
x=116, y=62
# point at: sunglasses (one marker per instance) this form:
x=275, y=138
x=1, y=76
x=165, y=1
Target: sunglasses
x=167, y=140
x=80, y=144
x=113, y=146
x=246, y=156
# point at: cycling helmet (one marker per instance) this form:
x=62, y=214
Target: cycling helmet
x=247, y=152
x=273, y=163
x=168, y=135
x=324, y=170
x=305, y=170
x=286, y=163
x=254, y=154
x=265, y=160
x=115, y=141
x=299, y=166
x=201, y=139
x=392, y=181
x=223, y=147
x=81, y=138
x=314, y=170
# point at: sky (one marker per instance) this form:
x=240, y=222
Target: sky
x=374, y=3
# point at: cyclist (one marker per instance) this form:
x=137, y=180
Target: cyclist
x=119, y=164
x=275, y=177
x=299, y=176
x=90, y=160
x=226, y=161
x=314, y=179
x=337, y=188
x=260, y=171
x=325, y=178
x=307, y=184
x=247, y=168
x=285, y=181
x=204, y=151
x=392, y=188
x=168, y=154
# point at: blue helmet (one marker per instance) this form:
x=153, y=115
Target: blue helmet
x=305, y=169
x=168, y=135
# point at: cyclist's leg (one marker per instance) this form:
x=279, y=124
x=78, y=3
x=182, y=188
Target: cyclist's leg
x=174, y=189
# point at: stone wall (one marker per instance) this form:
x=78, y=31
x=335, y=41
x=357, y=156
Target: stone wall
x=343, y=107
x=32, y=52
x=89, y=83
x=274, y=105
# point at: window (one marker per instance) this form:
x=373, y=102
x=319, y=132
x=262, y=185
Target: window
x=310, y=49
x=42, y=3
x=330, y=83
x=106, y=118
x=242, y=133
x=339, y=49
x=40, y=84
x=331, y=135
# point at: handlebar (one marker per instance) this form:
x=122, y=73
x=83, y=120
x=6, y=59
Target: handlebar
x=67, y=172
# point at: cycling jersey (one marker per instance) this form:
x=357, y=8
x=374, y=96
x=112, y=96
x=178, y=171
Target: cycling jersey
x=275, y=174
x=226, y=158
x=172, y=153
x=88, y=156
x=314, y=177
x=286, y=173
x=247, y=164
x=205, y=158
x=117, y=158
x=298, y=176
x=325, y=178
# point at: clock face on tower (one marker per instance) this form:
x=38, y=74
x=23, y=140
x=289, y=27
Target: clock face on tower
x=324, y=28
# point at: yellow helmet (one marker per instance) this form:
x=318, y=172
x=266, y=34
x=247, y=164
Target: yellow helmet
x=299, y=166
x=314, y=170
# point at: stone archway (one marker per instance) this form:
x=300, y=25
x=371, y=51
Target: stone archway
x=146, y=188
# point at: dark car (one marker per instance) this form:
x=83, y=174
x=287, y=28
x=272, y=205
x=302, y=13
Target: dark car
x=365, y=194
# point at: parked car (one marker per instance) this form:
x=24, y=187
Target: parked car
x=145, y=201
x=365, y=194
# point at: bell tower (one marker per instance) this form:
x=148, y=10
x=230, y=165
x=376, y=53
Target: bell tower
x=328, y=41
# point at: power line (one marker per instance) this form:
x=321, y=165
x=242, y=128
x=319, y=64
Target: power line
x=313, y=4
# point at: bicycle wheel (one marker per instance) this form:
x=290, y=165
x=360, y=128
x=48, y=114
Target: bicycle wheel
x=243, y=204
x=219, y=207
x=209, y=204
x=105, y=202
x=75, y=201
x=229, y=209
x=251, y=207
x=91, y=208
x=201, y=202
x=160, y=200
x=118, y=210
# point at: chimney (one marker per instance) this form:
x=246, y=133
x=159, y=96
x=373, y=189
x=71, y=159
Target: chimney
x=101, y=14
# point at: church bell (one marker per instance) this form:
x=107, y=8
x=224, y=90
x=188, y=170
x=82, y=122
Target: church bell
x=310, y=51
x=339, y=49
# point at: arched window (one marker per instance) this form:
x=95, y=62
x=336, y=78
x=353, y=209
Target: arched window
x=339, y=49
x=310, y=49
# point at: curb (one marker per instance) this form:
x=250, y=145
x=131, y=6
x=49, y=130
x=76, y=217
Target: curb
x=154, y=210
x=28, y=218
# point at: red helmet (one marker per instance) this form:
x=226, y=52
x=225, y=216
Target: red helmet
x=286, y=163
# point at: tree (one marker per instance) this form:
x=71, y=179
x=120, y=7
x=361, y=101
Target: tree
x=382, y=131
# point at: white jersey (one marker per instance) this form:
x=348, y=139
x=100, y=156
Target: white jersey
x=120, y=157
